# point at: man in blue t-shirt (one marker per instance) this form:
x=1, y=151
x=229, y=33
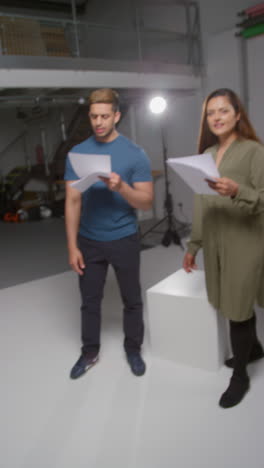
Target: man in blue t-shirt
x=101, y=227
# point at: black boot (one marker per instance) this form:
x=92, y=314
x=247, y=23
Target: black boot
x=256, y=352
x=242, y=336
x=235, y=392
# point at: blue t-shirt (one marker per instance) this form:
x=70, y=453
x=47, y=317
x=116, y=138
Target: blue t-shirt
x=106, y=215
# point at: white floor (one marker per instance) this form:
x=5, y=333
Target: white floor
x=109, y=418
x=32, y=250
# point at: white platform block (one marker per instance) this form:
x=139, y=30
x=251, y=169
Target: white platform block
x=184, y=327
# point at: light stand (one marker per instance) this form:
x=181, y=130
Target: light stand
x=171, y=234
x=157, y=106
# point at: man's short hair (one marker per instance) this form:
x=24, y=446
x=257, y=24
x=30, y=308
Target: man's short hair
x=105, y=96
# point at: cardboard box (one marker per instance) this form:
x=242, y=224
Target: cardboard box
x=55, y=41
x=21, y=37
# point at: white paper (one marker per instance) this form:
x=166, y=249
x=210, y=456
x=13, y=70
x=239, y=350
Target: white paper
x=194, y=170
x=88, y=167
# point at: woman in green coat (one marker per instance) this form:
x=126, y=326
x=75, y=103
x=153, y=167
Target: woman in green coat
x=229, y=226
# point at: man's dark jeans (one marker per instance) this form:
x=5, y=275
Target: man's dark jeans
x=124, y=256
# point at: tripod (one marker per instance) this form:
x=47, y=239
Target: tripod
x=171, y=234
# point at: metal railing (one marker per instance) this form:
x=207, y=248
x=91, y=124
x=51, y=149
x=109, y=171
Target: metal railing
x=46, y=36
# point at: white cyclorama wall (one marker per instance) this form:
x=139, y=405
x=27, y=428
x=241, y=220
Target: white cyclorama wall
x=255, y=58
x=223, y=59
x=225, y=56
x=217, y=16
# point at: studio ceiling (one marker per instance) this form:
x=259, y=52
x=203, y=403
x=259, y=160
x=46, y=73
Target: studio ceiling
x=48, y=5
x=47, y=97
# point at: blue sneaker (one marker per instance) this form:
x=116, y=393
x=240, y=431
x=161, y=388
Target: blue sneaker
x=82, y=365
x=136, y=363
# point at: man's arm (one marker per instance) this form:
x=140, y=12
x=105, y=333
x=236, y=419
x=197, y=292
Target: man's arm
x=73, y=203
x=140, y=196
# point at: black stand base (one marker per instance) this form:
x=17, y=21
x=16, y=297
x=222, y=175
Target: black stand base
x=169, y=236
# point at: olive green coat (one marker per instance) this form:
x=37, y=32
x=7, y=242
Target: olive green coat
x=231, y=233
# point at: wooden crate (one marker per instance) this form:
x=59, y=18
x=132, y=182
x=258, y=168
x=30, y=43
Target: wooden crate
x=55, y=41
x=21, y=37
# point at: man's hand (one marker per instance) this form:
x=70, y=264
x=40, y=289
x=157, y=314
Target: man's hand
x=224, y=186
x=114, y=182
x=76, y=260
x=139, y=196
x=189, y=263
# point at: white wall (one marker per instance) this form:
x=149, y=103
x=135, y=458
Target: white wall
x=224, y=54
x=221, y=49
x=223, y=62
x=255, y=56
x=217, y=16
x=225, y=69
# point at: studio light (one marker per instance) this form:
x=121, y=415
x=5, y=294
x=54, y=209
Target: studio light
x=158, y=105
x=81, y=100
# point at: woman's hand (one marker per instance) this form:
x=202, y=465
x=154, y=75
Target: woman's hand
x=224, y=186
x=189, y=263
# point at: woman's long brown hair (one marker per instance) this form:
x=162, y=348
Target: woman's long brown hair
x=243, y=128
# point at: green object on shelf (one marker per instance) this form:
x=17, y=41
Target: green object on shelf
x=253, y=31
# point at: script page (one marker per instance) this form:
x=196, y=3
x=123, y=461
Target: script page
x=194, y=170
x=88, y=167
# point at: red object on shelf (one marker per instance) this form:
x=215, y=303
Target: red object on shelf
x=255, y=10
x=39, y=154
x=10, y=217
